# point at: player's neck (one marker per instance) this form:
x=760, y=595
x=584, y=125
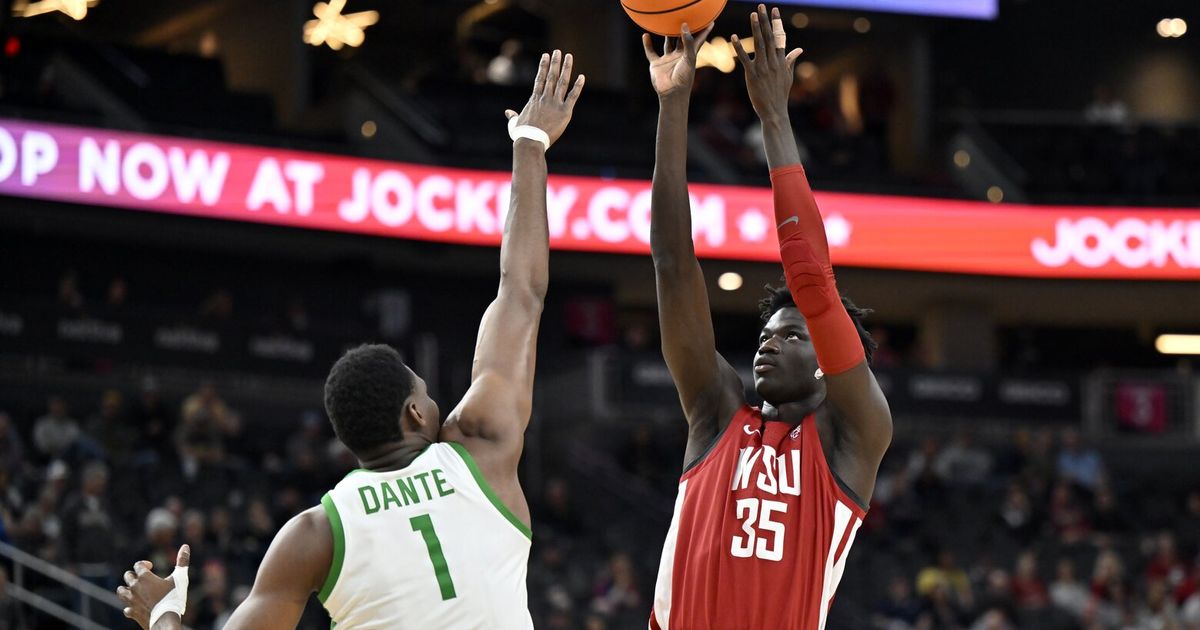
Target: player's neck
x=394, y=455
x=792, y=412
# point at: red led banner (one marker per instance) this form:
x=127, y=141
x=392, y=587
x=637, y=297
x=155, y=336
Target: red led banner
x=327, y=192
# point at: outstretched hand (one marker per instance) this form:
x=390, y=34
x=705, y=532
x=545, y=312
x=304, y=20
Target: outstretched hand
x=674, y=70
x=143, y=589
x=769, y=74
x=553, y=100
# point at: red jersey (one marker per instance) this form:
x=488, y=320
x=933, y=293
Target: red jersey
x=760, y=534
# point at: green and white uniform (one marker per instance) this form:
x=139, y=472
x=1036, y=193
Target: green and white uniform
x=430, y=546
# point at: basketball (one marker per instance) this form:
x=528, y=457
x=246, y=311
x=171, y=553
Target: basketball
x=666, y=17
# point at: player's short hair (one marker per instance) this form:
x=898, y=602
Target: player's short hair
x=780, y=297
x=365, y=394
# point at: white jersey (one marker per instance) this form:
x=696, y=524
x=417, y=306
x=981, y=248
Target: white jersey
x=430, y=546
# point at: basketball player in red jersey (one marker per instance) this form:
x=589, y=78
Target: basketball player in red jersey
x=770, y=498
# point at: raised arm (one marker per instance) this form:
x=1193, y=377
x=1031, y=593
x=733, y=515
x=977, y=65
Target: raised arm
x=863, y=421
x=294, y=568
x=493, y=415
x=709, y=389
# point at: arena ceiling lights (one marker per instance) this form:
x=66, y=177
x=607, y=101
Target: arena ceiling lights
x=336, y=29
x=77, y=9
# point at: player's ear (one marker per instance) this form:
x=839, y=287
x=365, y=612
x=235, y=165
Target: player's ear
x=412, y=418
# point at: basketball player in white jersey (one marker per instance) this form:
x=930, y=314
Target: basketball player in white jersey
x=433, y=531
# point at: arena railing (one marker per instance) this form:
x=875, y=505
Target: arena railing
x=90, y=595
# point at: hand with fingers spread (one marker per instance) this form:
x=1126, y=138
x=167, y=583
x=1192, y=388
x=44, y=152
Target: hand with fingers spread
x=674, y=71
x=144, y=590
x=553, y=100
x=769, y=74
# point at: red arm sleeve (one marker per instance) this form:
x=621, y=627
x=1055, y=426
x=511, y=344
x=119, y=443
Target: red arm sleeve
x=805, y=255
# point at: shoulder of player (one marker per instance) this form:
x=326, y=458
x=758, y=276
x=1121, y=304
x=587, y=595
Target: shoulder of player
x=307, y=542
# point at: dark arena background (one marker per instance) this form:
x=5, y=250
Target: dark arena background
x=203, y=203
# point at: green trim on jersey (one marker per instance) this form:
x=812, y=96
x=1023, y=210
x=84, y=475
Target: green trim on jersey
x=487, y=490
x=339, y=547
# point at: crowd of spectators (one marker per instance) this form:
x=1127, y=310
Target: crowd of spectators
x=1040, y=533
x=93, y=486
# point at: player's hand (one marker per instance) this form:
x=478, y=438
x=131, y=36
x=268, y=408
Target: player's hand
x=553, y=100
x=769, y=74
x=674, y=70
x=143, y=589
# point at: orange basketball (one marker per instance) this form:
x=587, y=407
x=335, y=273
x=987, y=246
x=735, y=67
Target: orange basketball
x=666, y=17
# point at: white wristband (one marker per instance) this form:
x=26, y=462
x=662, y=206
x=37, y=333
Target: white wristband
x=175, y=600
x=516, y=132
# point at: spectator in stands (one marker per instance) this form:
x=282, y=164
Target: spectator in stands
x=12, y=503
x=1165, y=565
x=205, y=421
x=1066, y=515
x=941, y=610
x=996, y=596
x=296, y=316
x=1158, y=610
x=211, y=601
x=220, y=540
x=40, y=529
x=885, y=355
x=1188, y=525
x=1189, y=597
x=56, y=434
x=205, y=406
x=1028, y=589
x=637, y=335
x=260, y=528
x=109, y=428
x=1014, y=458
x=1105, y=108
x=921, y=469
x=194, y=529
x=69, y=296
x=1109, y=595
x=306, y=476
x=993, y=619
x=616, y=594
x=1108, y=519
x=155, y=422
x=217, y=308
x=1017, y=516
x=894, y=506
x=561, y=516
x=642, y=458
x=947, y=580
x=1081, y=465
x=1040, y=464
x=901, y=610
x=12, y=448
x=725, y=131
x=118, y=293
x=1067, y=593
x=161, y=529
x=963, y=463
x=310, y=437
x=89, y=531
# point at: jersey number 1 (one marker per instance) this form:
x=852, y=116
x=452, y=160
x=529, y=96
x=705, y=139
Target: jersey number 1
x=424, y=524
